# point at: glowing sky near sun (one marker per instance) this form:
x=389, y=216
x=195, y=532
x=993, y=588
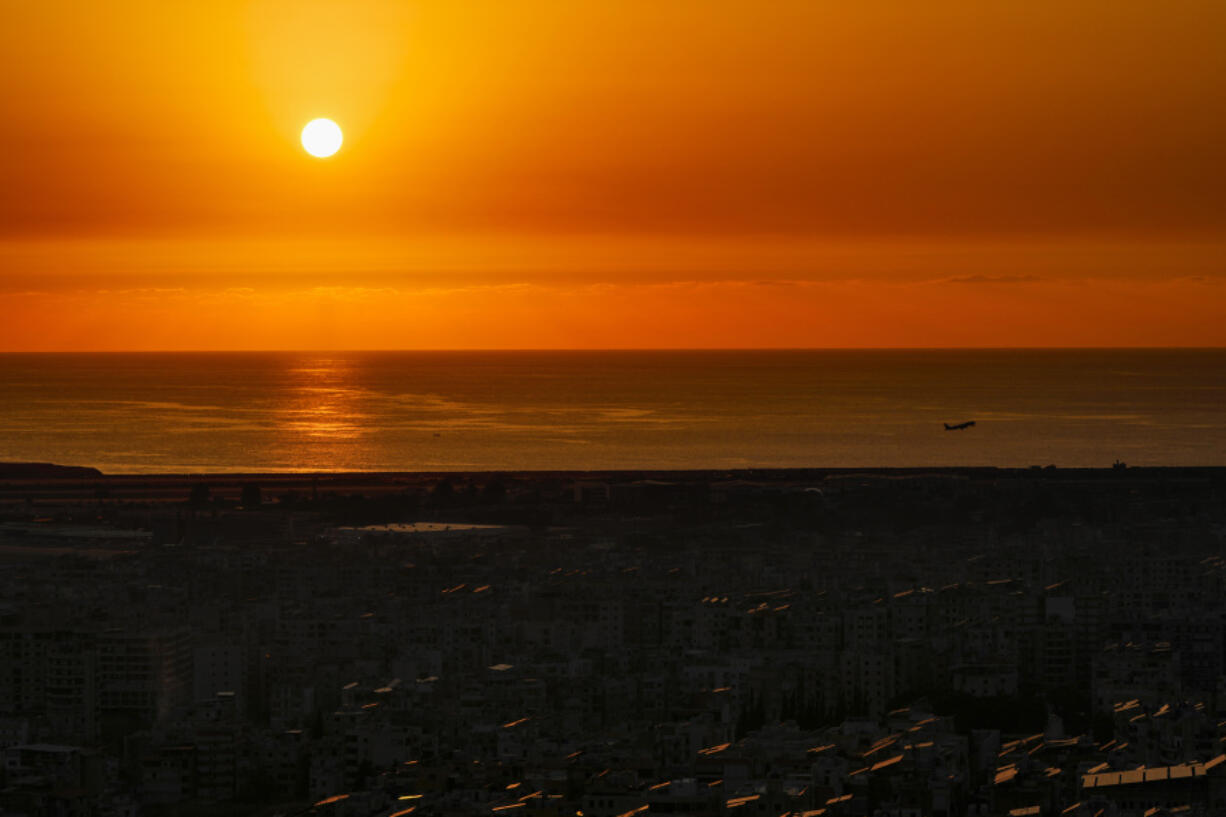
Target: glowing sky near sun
x=524, y=173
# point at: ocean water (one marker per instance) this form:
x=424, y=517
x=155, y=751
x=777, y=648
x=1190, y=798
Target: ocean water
x=437, y=411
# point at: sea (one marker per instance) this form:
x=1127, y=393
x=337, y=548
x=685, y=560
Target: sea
x=181, y=413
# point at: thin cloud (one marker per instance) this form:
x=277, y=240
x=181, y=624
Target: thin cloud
x=994, y=279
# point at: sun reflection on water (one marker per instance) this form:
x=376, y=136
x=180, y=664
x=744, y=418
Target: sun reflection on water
x=325, y=403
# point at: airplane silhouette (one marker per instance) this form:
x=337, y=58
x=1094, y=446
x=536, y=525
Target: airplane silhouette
x=959, y=426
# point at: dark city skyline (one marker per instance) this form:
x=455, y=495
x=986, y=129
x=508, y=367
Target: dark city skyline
x=613, y=408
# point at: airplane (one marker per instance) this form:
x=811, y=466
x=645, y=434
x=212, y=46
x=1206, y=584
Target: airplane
x=958, y=426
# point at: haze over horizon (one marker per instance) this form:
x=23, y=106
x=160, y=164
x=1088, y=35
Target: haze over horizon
x=539, y=174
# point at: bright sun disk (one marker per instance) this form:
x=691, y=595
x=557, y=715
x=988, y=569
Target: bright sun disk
x=322, y=137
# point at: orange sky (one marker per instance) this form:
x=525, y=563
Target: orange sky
x=611, y=173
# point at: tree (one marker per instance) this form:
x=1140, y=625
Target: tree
x=443, y=491
x=251, y=496
x=200, y=494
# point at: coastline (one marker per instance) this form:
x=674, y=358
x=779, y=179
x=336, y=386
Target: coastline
x=68, y=484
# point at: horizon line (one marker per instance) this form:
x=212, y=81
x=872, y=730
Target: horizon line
x=530, y=349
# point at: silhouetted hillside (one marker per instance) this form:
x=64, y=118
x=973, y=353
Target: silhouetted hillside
x=45, y=470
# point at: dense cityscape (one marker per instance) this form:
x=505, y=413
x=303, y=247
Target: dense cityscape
x=894, y=643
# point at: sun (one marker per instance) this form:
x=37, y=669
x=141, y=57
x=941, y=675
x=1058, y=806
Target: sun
x=322, y=137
